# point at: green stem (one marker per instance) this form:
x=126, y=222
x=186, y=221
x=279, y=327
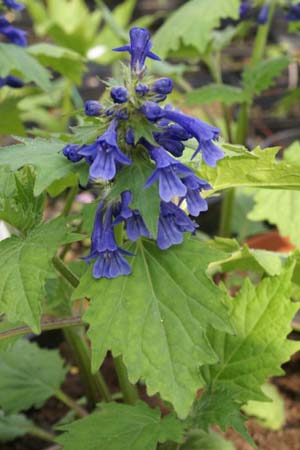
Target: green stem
x=227, y=213
x=130, y=394
x=80, y=412
x=41, y=434
x=69, y=201
x=94, y=383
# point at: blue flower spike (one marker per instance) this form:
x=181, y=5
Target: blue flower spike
x=121, y=143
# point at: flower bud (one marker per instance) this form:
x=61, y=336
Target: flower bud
x=119, y=94
x=92, y=108
x=163, y=86
x=71, y=152
x=152, y=110
x=141, y=89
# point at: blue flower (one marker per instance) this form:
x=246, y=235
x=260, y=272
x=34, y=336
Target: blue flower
x=129, y=137
x=92, y=108
x=171, y=225
x=142, y=89
x=163, y=86
x=245, y=8
x=293, y=14
x=152, y=110
x=195, y=202
x=110, y=262
x=171, y=139
x=166, y=173
x=135, y=225
x=14, y=5
x=11, y=81
x=263, y=15
x=139, y=48
x=204, y=133
x=15, y=35
x=105, y=153
x=119, y=94
x=71, y=152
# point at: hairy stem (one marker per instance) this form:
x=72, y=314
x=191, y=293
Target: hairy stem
x=227, y=213
x=79, y=411
x=69, y=201
x=130, y=394
x=41, y=433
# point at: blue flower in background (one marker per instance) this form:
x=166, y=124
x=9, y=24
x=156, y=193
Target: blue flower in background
x=245, y=9
x=166, y=173
x=173, y=222
x=139, y=48
x=263, y=15
x=105, y=153
x=13, y=5
x=135, y=225
x=13, y=34
x=110, y=262
x=11, y=81
x=293, y=14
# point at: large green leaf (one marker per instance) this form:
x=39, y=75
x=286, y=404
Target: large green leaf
x=121, y=427
x=18, y=206
x=62, y=60
x=200, y=440
x=14, y=59
x=25, y=265
x=29, y=375
x=157, y=317
x=192, y=24
x=10, y=117
x=257, y=168
x=13, y=426
x=261, y=316
x=280, y=207
x=46, y=157
x=147, y=201
x=215, y=93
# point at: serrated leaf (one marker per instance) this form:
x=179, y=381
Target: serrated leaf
x=249, y=358
x=25, y=265
x=63, y=60
x=257, y=168
x=220, y=408
x=192, y=24
x=147, y=201
x=29, y=375
x=13, y=426
x=261, y=76
x=120, y=427
x=11, y=122
x=200, y=440
x=241, y=225
x=18, y=206
x=15, y=59
x=168, y=300
x=45, y=155
x=270, y=414
x=215, y=93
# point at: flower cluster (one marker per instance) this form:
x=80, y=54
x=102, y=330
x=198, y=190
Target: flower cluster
x=15, y=36
x=246, y=10
x=138, y=100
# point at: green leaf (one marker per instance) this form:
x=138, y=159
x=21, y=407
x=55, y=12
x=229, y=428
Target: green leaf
x=121, y=427
x=25, y=266
x=46, y=156
x=18, y=206
x=192, y=24
x=270, y=414
x=219, y=408
x=147, y=201
x=63, y=60
x=15, y=59
x=261, y=316
x=215, y=93
x=58, y=294
x=241, y=225
x=257, y=168
x=13, y=426
x=259, y=77
x=200, y=440
x=168, y=300
x=11, y=122
x=29, y=375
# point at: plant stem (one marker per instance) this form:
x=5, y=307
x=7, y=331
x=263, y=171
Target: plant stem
x=227, y=213
x=69, y=201
x=45, y=326
x=94, y=383
x=130, y=394
x=80, y=412
x=42, y=434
